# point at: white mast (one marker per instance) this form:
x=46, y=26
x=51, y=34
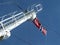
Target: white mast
x=8, y=24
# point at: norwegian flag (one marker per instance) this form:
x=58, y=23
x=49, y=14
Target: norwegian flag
x=39, y=26
x=37, y=23
x=44, y=31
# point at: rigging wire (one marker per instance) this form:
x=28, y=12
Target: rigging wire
x=19, y=6
x=4, y=3
x=22, y=40
x=18, y=38
x=12, y=2
x=56, y=32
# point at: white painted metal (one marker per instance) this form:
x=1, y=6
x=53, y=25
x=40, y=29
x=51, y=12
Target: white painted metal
x=16, y=20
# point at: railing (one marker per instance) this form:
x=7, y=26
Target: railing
x=9, y=19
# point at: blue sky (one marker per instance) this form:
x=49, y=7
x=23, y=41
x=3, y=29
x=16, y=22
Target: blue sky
x=27, y=33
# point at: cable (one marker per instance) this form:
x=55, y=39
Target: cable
x=19, y=7
x=12, y=2
x=56, y=32
x=22, y=40
x=3, y=3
